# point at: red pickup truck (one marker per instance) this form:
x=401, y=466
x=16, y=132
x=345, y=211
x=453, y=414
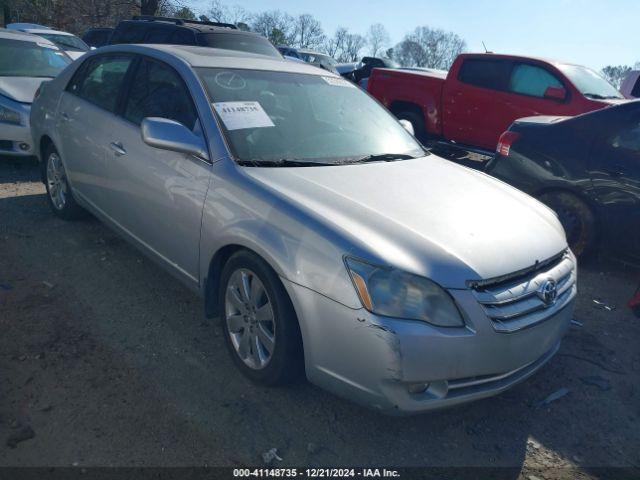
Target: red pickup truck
x=482, y=94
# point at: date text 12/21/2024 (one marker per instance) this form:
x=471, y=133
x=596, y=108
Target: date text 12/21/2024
x=315, y=473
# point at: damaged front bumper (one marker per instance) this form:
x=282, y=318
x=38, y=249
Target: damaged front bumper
x=404, y=366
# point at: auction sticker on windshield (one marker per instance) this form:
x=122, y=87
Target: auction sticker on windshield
x=239, y=115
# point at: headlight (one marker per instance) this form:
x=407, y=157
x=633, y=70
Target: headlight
x=9, y=116
x=393, y=293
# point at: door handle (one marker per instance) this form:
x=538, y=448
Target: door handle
x=118, y=149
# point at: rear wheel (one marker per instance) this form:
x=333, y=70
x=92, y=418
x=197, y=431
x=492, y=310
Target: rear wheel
x=576, y=218
x=59, y=195
x=261, y=328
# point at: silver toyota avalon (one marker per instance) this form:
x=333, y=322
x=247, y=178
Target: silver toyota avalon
x=325, y=238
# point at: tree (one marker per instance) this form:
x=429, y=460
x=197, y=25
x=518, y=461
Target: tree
x=276, y=26
x=184, y=12
x=431, y=48
x=335, y=45
x=235, y=14
x=377, y=39
x=615, y=74
x=353, y=45
x=308, y=32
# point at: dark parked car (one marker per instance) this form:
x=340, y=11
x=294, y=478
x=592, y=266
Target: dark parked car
x=178, y=31
x=97, y=37
x=586, y=168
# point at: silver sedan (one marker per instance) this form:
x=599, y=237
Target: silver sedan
x=324, y=236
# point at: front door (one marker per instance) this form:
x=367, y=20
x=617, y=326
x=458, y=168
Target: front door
x=157, y=196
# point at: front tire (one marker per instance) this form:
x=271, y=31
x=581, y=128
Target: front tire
x=59, y=195
x=260, y=325
x=576, y=218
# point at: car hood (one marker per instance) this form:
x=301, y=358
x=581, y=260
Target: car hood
x=427, y=216
x=20, y=89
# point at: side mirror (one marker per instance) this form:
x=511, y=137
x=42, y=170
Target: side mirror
x=170, y=135
x=407, y=125
x=555, y=93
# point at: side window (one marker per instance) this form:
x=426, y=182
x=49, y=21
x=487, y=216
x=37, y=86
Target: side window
x=99, y=80
x=158, y=91
x=532, y=80
x=492, y=74
x=158, y=35
x=183, y=36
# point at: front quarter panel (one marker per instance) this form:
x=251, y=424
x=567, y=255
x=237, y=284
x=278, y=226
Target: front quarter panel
x=300, y=248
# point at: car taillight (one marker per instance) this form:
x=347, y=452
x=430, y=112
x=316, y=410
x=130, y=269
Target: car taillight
x=505, y=142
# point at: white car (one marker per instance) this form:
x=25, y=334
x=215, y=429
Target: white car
x=25, y=62
x=72, y=45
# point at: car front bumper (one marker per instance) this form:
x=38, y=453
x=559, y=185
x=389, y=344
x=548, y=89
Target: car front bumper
x=379, y=361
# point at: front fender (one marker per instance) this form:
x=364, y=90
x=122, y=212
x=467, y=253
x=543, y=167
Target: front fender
x=241, y=212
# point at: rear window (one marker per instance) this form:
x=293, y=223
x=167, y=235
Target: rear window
x=493, y=74
x=129, y=33
x=158, y=35
x=242, y=43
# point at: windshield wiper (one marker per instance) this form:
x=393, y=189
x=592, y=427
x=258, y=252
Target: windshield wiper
x=281, y=162
x=382, y=157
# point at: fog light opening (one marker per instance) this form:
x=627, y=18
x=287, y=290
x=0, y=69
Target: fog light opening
x=415, y=388
x=24, y=146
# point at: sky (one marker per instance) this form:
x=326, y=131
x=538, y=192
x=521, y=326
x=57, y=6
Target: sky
x=587, y=32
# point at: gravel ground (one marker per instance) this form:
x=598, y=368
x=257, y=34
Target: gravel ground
x=106, y=360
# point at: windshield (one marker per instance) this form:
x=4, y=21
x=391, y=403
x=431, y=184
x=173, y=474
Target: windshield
x=588, y=82
x=66, y=42
x=275, y=116
x=30, y=59
x=235, y=41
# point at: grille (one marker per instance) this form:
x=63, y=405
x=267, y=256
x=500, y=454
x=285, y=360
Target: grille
x=6, y=145
x=519, y=301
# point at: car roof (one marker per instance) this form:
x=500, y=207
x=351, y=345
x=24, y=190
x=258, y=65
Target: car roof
x=38, y=31
x=308, y=50
x=23, y=36
x=516, y=57
x=192, y=25
x=218, y=58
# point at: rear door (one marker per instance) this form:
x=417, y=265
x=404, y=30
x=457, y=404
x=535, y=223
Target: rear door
x=470, y=102
x=87, y=107
x=155, y=195
x=616, y=179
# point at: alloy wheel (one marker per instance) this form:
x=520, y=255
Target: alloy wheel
x=56, y=181
x=250, y=318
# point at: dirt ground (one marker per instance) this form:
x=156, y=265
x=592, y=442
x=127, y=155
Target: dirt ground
x=106, y=360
